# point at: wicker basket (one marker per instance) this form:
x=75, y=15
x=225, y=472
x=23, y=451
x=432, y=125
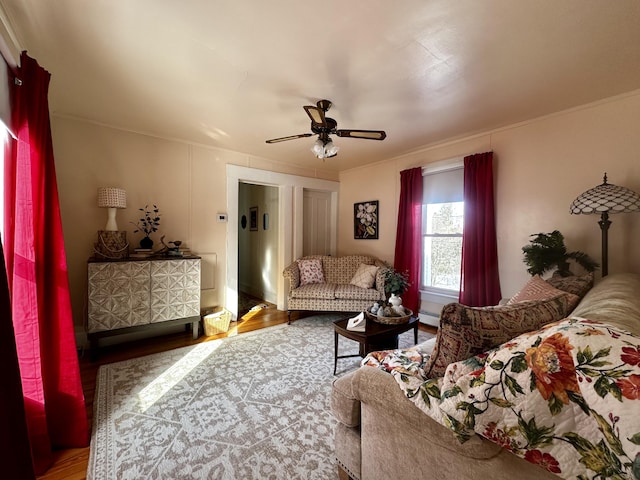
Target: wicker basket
x=111, y=245
x=390, y=320
x=216, y=322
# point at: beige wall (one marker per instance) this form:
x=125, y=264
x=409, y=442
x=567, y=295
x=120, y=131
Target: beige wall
x=187, y=182
x=540, y=166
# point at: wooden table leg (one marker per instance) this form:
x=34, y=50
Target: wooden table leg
x=335, y=352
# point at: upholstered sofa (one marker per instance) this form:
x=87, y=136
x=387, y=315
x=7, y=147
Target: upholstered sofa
x=349, y=283
x=386, y=430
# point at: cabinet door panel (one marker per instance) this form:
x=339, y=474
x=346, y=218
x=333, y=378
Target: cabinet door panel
x=175, y=289
x=118, y=295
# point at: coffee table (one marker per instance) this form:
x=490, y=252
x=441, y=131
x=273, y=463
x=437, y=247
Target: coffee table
x=376, y=336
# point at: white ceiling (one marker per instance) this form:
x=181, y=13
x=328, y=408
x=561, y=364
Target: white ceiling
x=233, y=73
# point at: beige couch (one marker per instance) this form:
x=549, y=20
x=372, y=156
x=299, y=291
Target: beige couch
x=381, y=434
x=336, y=293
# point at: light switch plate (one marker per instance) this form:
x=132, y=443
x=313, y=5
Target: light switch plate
x=221, y=217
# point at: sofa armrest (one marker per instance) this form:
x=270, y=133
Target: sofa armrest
x=344, y=404
x=292, y=273
x=380, y=396
x=380, y=278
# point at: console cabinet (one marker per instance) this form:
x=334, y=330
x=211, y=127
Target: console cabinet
x=127, y=296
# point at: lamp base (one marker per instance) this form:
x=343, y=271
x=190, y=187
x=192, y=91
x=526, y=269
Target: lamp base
x=111, y=245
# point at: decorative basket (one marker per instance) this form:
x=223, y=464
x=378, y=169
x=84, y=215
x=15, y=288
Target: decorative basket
x=216, y=322
x=111, y=245
x=390, y=320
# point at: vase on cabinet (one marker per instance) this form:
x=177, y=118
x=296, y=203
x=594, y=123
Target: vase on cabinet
x=146, y=242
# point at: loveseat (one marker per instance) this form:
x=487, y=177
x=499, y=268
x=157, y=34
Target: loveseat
x=349, y=283
x=572, y=384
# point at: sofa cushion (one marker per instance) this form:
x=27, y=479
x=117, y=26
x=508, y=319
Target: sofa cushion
x=340, y=270
x=577, y=284
x=614, y=300
x=352, y=292
x=467, y=331
x=310, y=271
x=323, y=291
x=365, y=276
x=537, y=289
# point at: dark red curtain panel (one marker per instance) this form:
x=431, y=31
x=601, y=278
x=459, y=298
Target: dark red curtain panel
x=480, y=284
x=15, y=456
x=408, y=234
x=38, y=277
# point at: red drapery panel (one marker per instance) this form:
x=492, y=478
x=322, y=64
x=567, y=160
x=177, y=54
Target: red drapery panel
x=480, y=284
x=38, y=278
x=408, y=234
x=15, y=455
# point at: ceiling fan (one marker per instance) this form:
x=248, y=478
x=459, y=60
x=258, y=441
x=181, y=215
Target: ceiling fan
x=324, y=126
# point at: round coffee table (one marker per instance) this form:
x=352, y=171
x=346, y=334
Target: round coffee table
x=376, y=336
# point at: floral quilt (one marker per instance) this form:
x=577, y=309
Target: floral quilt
x=565, y=397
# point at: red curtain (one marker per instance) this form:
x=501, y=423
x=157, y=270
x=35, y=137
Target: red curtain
x=480, y=283
x=408, y=234
x=38, y=277
x=14, y=440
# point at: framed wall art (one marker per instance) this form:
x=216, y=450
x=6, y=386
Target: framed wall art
x=253, y=219
x=365, y=220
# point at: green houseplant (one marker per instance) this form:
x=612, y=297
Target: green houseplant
x=395, y=283
x=547, y=250
x=148, y=224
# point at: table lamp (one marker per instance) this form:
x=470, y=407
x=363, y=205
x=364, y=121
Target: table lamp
x=604, y=199
x=112, y=198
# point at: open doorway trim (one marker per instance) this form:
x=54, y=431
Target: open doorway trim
x=290, y=201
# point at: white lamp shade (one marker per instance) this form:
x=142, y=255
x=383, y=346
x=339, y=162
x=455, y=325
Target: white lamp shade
x=112, y=197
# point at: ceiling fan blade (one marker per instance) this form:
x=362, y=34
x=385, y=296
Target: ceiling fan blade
x=366, y=134
x=316, y=115
x=291, y=137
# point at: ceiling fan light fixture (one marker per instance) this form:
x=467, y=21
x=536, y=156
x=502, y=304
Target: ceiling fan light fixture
x=330, y=149
x=324, y=148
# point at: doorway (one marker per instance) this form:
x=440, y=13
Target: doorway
x=290, y=229
x=257, y=246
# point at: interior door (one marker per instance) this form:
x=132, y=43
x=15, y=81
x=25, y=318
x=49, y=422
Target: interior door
x=316, y=234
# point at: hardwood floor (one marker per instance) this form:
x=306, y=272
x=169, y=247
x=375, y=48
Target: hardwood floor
x=71, y=464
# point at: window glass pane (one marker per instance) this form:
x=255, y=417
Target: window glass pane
x=444, y=218
x=443, y=260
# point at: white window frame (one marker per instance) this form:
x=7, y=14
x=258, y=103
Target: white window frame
x=427, y=293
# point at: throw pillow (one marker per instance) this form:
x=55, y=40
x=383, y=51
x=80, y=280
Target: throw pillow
x=537, y=289
x=577, y=284
x=365, y=276
x=467, y=331
x=310, y=271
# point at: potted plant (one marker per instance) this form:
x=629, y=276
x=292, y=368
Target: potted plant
x=395, y=284
x=547, y=250
x=148, y=224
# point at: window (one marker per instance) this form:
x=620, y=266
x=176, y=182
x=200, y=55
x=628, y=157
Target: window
x=442, y=228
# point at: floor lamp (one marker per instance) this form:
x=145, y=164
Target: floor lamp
x=604, y=199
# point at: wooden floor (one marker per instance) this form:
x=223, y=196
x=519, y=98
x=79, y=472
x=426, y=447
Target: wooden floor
x=71, y=464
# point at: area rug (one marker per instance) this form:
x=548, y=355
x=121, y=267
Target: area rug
x=253, y=406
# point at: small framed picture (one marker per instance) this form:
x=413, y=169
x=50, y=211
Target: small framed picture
x=253, y=219
x=365, y=220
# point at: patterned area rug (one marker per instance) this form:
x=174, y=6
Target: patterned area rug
x=254, y=406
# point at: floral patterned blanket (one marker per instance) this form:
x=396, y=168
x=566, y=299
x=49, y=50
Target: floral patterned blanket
x=566, y=397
